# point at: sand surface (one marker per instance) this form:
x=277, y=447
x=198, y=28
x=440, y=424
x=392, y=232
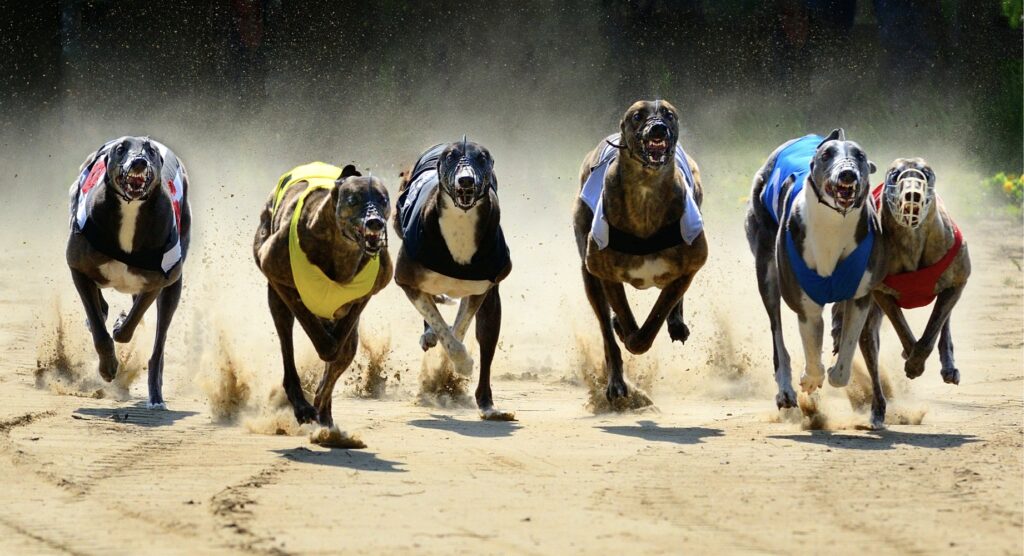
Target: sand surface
x=86, y=469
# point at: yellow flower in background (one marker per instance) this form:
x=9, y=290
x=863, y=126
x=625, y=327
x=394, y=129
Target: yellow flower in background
x=1008, y=186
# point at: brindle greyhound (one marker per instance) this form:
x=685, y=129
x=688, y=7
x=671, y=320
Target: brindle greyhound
x=321, y=243
x=130, y=224
x=646, y=193
x=811, y=229
x=452, y=245
x=926, y=258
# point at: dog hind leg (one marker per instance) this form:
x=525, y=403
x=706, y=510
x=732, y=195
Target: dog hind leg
x=869, y=349
x=424, y=303
x=468, y=308
x=768, y=285
x=95, y=311
x=641, y=341
x=924, y=346
x=428, y=339
x=284, y=322
x=612, y=354
x=812, y=331
x=166, y=305
x=488, y=330
x=125, y=326
x=623, y=321
x=677, y=329
x=888, y=305
x=855, y=313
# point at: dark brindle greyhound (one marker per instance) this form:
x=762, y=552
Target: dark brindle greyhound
x=321, y=243
x=637, y=221
x=926, y=259
x=812, y=231
x=130, y=223
x=452, y=245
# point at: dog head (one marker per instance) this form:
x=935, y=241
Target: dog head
x=361, y=208
x=840, y=173
x=650, y=130
x=466, y=172
x=133, y=168
x=909, y=191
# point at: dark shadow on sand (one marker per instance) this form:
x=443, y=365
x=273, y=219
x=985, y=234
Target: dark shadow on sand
x=649, y=430
x=349, y=459
x=477, y=428
x=881, y=440
x=136, y=414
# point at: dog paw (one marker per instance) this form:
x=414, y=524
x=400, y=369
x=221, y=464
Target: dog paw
x=786, y=398
x=678, y=331
x=839, y=375
x=951, y=375
x=616, y=389
x=810, y=382
x=462, y=362
x=160, y=405
x=914, y=367
x=108, y=366
x=428, y=339
x=304, y=413
x=491, y=414
x=121, y=335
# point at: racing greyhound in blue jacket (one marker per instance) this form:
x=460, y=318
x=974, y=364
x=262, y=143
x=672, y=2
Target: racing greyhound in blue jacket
x=130, y=224
x=812, y=231
x=452, y=245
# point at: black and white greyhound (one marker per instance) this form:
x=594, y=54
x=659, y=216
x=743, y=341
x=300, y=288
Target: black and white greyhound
x=130, y=223
x=812, y=231
x=452, y=245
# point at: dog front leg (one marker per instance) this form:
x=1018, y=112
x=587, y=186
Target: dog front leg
x=892, y=310
x=950, y=374
x=95, y=312
x=623, y=321
x=869, y=349
x=332, y=372
x=125, y=326
x=677, y=329
x=641, y=341
x=468, y=309
x=166, y=305
x=325, y=344
x=284, y=321
x=924, y=346
x=768, y=286
x=612, y=354
x=812, y=331
x=424, y=303
x=488, y=330
x=855, y=312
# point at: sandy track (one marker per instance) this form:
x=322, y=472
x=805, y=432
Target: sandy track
x=89, y=476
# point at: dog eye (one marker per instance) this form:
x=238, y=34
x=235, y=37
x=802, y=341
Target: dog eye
x=670, y=116
x=637, y=116
x=352, y=200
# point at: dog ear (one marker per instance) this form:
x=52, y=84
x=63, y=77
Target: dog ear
x=347, y=171
x=315, y=217
x=837, y=135
x=872, y=168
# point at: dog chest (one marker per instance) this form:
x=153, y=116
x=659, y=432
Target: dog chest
x=438, y=284
x=121, y=278
x=458, y=228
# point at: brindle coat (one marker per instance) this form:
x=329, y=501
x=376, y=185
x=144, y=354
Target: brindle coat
x=908, y=249
x=329, y=230
x=639, y=198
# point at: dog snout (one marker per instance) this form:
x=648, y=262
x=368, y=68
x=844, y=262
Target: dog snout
x=375, y=224
x=138, y=165
x=466, y=181
x=847, y=176
x=658, y=130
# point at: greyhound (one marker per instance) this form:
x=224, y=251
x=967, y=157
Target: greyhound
x=811, y=228
x=130, y=225
x=453, y=245
x=926, y=258
x=637, y=221
x=322, y=244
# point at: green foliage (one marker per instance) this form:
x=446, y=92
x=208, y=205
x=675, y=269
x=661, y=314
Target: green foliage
x=1007, y=186
x=1013, y=9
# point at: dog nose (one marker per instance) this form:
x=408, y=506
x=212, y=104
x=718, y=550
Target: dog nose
x=138, y=165
x=658, y=131
x=375, y=224
x=847, y=176
x=914, y=197
x=466, y=181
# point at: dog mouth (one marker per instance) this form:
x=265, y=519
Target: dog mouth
x=844, y=193
x=134, y=182
x=464, y=197
x=656, y=150
x=373, y=234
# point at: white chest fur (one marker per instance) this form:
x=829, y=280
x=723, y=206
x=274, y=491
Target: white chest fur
x=458, y=228
x=439, y=284
x=644, y=276
x=830, y=236
x=129, y=218
x=120, y=278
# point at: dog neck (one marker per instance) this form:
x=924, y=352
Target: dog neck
x=325, y=246
x=913, y=248
x=829, y=236
x=460, y=228
x=640, y=199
